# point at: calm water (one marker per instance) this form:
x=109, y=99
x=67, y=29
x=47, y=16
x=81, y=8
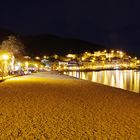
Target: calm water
x=125, y=79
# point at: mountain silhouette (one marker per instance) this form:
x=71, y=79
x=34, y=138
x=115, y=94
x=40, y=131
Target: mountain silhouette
x=47, y=44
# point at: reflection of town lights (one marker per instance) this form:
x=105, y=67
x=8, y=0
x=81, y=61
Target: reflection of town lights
x=5, y=57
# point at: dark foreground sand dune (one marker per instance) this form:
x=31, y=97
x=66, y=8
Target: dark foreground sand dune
x=50, y=106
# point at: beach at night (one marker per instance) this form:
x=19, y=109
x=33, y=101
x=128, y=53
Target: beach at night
x=53, y=106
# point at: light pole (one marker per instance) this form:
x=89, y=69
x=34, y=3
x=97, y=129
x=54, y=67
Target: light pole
x=5, y=57
x=26, y=65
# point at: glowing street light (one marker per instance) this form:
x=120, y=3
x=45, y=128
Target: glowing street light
x=5, y=57
x=19, y=63
x=120, y=52
x=26, y=64
x=45, y=57
x=71, y=55
x=112, y=51
x=36, y=65
x=37, y=58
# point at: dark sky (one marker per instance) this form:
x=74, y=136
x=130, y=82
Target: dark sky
x=114, y=23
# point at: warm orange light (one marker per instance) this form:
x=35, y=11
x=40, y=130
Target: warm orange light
x=71, y=55
x=5, y=57
x=36, y=65
x=37, y=58
x=26, y=63
x=19, y=63
x=112, y=51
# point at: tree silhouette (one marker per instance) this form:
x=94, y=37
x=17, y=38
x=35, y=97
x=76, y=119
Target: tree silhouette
x=15, y=49
x=13, y=45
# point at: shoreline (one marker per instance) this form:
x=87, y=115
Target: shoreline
x=90, y=70
x=107, y=84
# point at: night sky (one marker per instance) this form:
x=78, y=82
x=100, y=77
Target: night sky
x=114, y=23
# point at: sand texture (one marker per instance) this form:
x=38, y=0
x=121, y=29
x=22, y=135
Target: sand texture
x=50, y=106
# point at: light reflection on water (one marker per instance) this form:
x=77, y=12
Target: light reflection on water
x=125, y=79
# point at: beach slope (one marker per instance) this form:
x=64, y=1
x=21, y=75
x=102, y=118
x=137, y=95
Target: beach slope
x=48, y=106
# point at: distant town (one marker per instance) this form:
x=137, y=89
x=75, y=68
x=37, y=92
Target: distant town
x=98, y=60
x=13, y=60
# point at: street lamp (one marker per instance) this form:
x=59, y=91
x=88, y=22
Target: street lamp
x=45, y=57
x=5, y=57
x=19, y=64
x=26, y=65
x=36, y=65
x=112, y=51
x=37, y=58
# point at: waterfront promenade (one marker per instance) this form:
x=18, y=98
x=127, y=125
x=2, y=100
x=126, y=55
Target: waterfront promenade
x=48, y=106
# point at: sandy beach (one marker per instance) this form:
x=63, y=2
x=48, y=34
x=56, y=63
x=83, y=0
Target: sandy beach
x=50, y=106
